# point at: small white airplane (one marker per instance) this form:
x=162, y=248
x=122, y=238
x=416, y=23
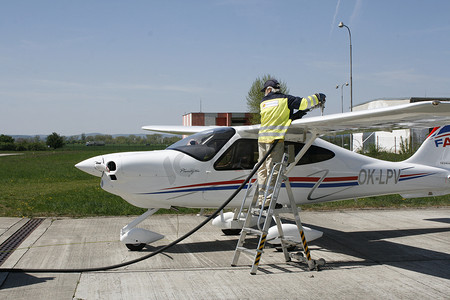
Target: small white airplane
x=204, y=169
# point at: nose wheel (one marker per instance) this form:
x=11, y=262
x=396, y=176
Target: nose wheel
x=136, y=238
x=135, y=247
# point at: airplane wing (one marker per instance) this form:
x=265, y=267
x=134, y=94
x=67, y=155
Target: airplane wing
x=425, y=114
x=183, y=130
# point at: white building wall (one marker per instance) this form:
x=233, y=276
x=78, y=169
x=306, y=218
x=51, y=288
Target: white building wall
x=387, y=141
x=187, y=120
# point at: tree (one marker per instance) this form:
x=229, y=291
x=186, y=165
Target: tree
x=7, y=142
x=255, y=95
x=6, y=139
x=55, y=141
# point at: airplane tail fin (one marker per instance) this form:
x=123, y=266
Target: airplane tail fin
x=435, y=150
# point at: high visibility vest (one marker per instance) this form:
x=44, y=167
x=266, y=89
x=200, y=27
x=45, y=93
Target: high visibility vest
x=275, y=116
x=275, y=120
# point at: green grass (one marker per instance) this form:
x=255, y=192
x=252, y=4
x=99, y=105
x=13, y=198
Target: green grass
x=47, y=184
x=381, y=202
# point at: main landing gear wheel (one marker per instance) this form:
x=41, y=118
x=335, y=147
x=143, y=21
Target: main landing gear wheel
x=231, y=231
x=319, y=263
x=135, y=247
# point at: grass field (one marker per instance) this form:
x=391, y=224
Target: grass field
x=47, y=184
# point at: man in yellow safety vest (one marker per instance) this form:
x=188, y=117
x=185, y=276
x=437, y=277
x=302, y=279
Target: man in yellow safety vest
x=277, y=113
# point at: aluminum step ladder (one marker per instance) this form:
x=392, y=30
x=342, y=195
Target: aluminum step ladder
x=268, y=214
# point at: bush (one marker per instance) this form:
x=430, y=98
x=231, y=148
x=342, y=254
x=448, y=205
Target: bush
x=7, y=143
x=27, y=145
x=7, y=146
x=55, y=141
x=36, y=146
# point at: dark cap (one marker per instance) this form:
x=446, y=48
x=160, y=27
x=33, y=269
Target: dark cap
x=272, y=83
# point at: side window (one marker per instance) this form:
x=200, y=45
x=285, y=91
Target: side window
x=314, y=154
x=243, y=155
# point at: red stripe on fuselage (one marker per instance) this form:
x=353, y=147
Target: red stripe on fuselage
x=208, y=183
x=412, y=175
x=291, y=179
x=328, y=179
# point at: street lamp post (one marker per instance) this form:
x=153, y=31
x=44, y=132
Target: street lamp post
x=342, y=105
x=351, y=78
x=342, y=95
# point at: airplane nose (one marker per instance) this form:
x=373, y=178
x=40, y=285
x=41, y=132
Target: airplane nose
x=93, y=166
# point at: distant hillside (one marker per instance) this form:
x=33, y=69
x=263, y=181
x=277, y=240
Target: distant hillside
x=78, y=137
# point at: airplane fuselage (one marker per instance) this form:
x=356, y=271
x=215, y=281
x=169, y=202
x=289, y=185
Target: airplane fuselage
x=188, y=175
x=204, y=169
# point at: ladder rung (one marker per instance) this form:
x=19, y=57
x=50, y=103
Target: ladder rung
x=265, y=216
x=253, y=231
x=249, y=251
x=282, y=210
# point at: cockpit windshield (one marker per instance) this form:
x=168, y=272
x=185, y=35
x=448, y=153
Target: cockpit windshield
x=204, y=145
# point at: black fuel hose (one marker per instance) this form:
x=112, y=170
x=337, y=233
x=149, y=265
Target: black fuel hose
x=160, y=250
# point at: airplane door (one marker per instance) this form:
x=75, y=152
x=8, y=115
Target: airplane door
x=228, y=172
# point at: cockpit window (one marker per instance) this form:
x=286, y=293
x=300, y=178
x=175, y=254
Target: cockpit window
x=243, y=155
x=204, y=145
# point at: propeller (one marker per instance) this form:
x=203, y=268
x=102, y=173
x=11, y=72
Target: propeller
x=101, y=166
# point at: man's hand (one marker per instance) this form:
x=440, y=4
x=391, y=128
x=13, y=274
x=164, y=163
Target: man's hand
x=321, y=97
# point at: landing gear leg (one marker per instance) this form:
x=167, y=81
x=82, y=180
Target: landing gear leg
x=134, y=238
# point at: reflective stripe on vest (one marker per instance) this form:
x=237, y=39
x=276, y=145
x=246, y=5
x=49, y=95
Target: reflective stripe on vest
x=309, y=102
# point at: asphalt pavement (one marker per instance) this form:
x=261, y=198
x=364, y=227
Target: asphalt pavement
x=370, y=254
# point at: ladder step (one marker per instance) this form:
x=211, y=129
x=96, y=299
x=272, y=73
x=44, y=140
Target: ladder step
x=249, y=251
x=282, y=210
x=265, y=217
x=252, y=231
x=276, y=211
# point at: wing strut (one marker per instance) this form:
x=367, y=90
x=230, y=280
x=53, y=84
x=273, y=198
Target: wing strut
x=302, y=152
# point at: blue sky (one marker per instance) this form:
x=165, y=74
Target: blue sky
x=113, y=66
